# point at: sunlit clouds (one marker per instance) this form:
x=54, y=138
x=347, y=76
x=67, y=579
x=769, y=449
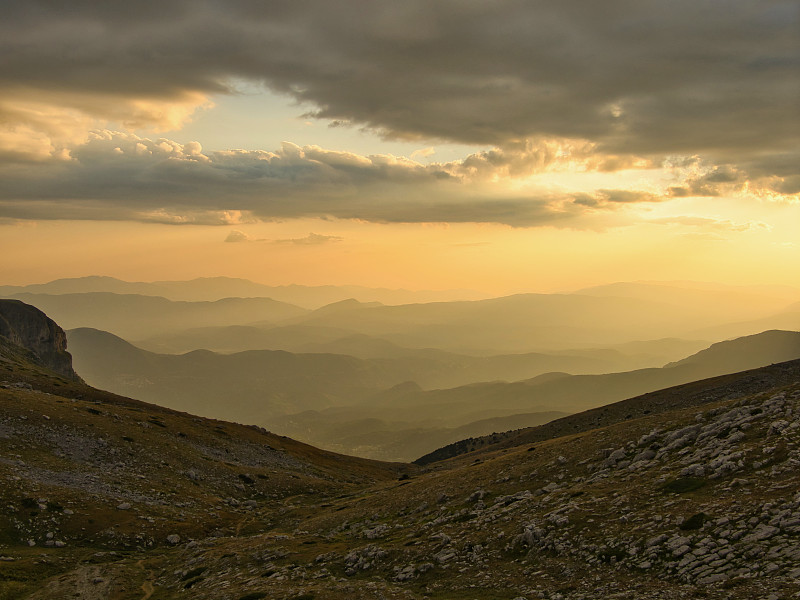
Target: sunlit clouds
x=669, y=126
x=116, y=175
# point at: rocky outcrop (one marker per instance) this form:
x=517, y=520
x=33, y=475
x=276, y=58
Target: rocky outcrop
x=28, y=327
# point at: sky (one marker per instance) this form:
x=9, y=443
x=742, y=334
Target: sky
x=499, y=146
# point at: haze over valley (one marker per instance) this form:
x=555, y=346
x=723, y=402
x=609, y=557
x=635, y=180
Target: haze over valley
x=397, y=381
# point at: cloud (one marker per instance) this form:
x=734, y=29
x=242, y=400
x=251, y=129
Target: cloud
x=714, y=181
x=127, y=177
x=648, y=78
x=608, y=198
x=312, y=239
x=237, y=236
x=643, y=78
x=36, y=126
x=424, y=152
x=120, y=176
x=708, y=90
x=710, y=225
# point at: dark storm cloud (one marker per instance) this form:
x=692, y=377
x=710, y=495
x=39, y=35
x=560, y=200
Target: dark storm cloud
x=637, y=77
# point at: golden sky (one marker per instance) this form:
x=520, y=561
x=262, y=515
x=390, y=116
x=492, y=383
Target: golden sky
x=504, y=146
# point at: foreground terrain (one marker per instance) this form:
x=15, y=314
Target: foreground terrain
x=106, y=497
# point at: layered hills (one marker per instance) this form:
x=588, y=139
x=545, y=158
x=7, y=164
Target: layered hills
x=153, y=314
x=367, y=407
x=610, y=317
x=395, y=382
x=110, y=497
x=209, y=289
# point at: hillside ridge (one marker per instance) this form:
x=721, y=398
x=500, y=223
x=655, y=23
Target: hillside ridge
x=693, y=394
x=29, y=328
x=108, y=497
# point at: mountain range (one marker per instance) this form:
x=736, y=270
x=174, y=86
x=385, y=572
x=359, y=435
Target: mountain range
x=604, y=317
x=210, y=289
x=397, y=381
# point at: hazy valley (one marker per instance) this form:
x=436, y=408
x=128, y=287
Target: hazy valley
x=394, y=382
x=688, y=491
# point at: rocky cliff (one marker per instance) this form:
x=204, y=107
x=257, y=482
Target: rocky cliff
x=28, y=327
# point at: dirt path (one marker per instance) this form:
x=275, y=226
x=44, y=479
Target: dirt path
x=147, y=587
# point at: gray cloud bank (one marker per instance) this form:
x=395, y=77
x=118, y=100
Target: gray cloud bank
x=640, y=76
x=122, y=176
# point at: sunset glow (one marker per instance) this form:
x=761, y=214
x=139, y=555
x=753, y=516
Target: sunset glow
x=498, y=147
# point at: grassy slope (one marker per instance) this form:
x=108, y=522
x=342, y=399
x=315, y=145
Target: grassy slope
x=322, y=526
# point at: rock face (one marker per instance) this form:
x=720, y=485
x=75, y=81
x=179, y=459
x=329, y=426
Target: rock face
x=28, y=327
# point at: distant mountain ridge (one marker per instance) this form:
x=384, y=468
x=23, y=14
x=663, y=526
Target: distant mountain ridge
x=772, y=346
x=262, y=383
x=134, y=315
x=691, y=394
x=547, y=392
x=594, y=318
x=204, y=289
x=247, y=386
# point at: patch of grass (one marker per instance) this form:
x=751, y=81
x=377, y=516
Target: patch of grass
x=683, y=485
x=11, y=590
x=9, y=535
x=255, y=596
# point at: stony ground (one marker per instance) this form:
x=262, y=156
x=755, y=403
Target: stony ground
x=106, y=498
